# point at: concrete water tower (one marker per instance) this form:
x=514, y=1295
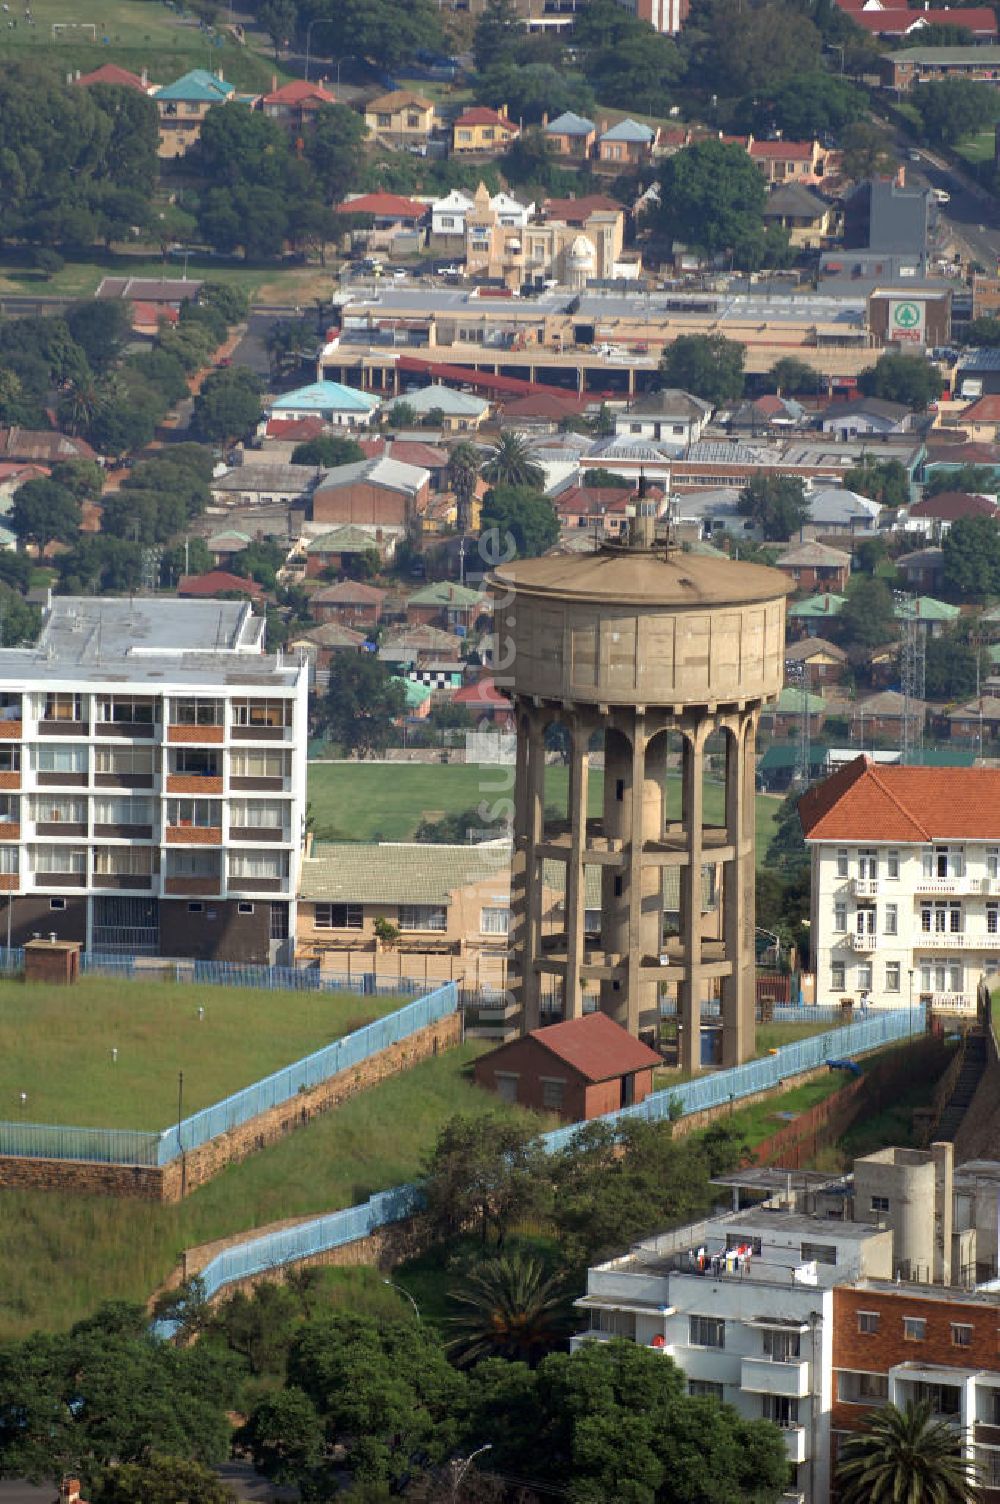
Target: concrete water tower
x=666, y=655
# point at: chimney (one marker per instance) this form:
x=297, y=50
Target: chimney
x=69, y=1491
x=545, y=118
x=78, y=75
x=218, y=74
x=144, y=77
x=943, y=1155
x=274, y=83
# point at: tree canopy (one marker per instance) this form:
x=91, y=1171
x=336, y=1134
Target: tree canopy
x=776, y=503
x=362, y=702
x=706, y=365
x=953, y=108
x=712, y=196
x=227, y=406
x=909, y=379
x=524, y=515
x=971, y=549
x=867, y=618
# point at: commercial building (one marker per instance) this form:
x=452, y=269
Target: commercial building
x=152, y=768
x=905, y=882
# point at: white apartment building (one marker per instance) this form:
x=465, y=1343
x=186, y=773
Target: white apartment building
x=905, y=882
x=755, y=1332
x=152, y=781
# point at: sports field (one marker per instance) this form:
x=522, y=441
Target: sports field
x=56, y=1046
x=368, y=801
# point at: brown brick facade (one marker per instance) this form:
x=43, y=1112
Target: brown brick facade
x=194, y=835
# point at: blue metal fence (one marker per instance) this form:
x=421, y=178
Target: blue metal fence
x=266, y=978
x=308, y=1239
x=103, y=1146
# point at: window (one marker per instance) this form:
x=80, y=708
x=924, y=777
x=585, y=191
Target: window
x=892, y=919
x=892, y=865
x=57, y=904
x=613, y=1323
x=840, y=917
x=706, y=1331
x=123, y=811
x=262, y=712
x=244, y=908
x=944, y=861
x=506, y=1084
x=822, y=1253
x=868, y=862
x=10, y=759
x=123, y=861
x=704, y=1389
x=941, y=918
x=8, y=859
x=862, y=1388
x=782, y=1347
x=59, y=811
x=880, y=1203
x=423, y=916
x=992, y=918
x=384, y=120
x=196, y=762
x=129, y=762
x=261, y=866
x=257, y=814
x=553, y=1092
x=338, y=916
x=837, y=976
x=63, y=707
x=961, y=1334
x=259, y=763
x=865, y=977
x=123, y=709
x=197, y=712
x=202, y=814
x=61, y=859
x=56, y=759
x=181, y=863
x=892, y=976
x=494, y=921
x=279, y=921
x=914, y=1328
x=195, y=908
x=784, y=1412
x=940, y=976
x=993, y=861
x=864, y=919
x=842, y=862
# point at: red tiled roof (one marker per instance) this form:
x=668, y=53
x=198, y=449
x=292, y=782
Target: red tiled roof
x=110, y=73
x=553, y=405
x=384, y=206
x=152, y=313
x=348, y=591
x=413, y=452
x=985, y=410
x=215, y=582
x=880, y=802
x=962, y=454
x=951, y=505
x=596, y=1047
x=790, y=151
x=591, y=499
x=575, y=210
x=484, y=692
x=295, y=430
x=479, y=115
x=299, y=92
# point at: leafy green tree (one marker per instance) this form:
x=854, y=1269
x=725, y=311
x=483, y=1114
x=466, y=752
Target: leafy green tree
x=968, y=478
x=870, y=555
x=523, y=515
x=162, y=371
x=279, y=19
x=638, y=72
x=787, y=853
x=231, y=301
x=795, y=378
x=44, y=512
x=884, y=481
x=950, y=668
x=971, y=550
x=510, y=463
x=866, y=151
x=735, y=50
x=101, y=329
x=953, y=108
x=162, y=1480
x=334, y=148
x=533, y=90
x=776, y=503
x=227, y=406
x=186, y=1306
x=379, y=29
x=712, y=196
x=463, y=472
x=258, y=1326
x=329, y=450
x=905, y=1455
x=484, y=1171
x=19, y=621
x=402, y=415
x=455, y=830
x=100, y=565
x=706, y=365
x=804, y=106
x=902, y=378
x=362, y=703
x=84, y=479
x=867, y=618
x=125, y=417
x=509, y=1307
x=984, y=332
x=260, y=561
x=284, y=1434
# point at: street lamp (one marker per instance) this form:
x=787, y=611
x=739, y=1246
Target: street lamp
x=457, y=1480
x=316, y=21
x=402, y=1291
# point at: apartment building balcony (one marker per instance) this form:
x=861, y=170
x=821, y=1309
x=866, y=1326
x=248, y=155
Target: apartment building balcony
x=788, y=1377
x=124, y=832
x=196, y=735
x=63, y=728
x=257, y=785
x=127, y=730
x=46, y=880
x=192, y=887
x=795, y=1443
x=248, y=886
x=10, y=779
x=11, y=731
x=954, y=940
x=865, y=887
x=9, y=830
x=259, y=833
x=47, y=779
x=60, y=828
x=193, y=783
x=861, y=944
x=132, y=882
x=9, y=882
x=261, y=732
x=950, y=886
x=987, y=1434
x=194, y=835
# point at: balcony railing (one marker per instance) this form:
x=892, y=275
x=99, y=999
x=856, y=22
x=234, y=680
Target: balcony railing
x=786, y=1377
x=195, y=734
x=11, y=731
x=949, y=940
x=194, y=835
x=865, y=887
x=863, y=943
x=952, y=885
x=192, y=887
x=194, y=783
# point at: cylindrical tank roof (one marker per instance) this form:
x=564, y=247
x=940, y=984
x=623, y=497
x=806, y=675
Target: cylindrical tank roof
x=660, y=578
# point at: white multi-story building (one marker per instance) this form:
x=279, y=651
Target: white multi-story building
x=752, y=1331
x=152, y=781
x=905, y=882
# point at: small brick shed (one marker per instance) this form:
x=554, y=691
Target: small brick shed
x=580, y=1068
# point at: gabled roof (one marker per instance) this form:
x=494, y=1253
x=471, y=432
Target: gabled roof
x=349, y=592
x=795, y=199
x=783, y=151
x=295, y=430
x=404, y=872
x=393, y=475
x=110, y=73
x=988, y=707
x=332, y=634
x=985, y=410
x=568, y=124
x=574, y=211
x=479, y=115
x=397, y=99
x=324, y=395
x=889, y=802
x=813, y=554
x=594, y=1046
x=297, y=91
x=789, y=702
x=216, y=582
x=809, y=647
x=867, y=407
x=341, y=540
x=199, y=86
x=632, y=131
x=42, y=444
x=450, y=402
x=669, y=402
x=483, y=693
x=445, y=593
x=819, y=605
x=926, y=608
x=949, y=506
x=384, y=206
x=888, y=702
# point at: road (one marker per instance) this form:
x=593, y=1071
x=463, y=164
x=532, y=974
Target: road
x=972, y=213
x=239, y=1476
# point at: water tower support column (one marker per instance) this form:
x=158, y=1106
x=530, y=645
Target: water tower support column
x=580, y=732
x=692, y=815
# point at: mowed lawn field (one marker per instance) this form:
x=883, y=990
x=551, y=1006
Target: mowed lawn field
x=56, y=1045
x=369, y=801
x=62, y=1255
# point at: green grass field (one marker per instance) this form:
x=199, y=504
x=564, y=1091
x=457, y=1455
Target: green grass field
x=980, y=147
x=56, y=1043
x=63, y=1255
x=362, y=801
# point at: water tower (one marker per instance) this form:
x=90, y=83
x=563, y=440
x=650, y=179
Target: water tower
x=668, y=656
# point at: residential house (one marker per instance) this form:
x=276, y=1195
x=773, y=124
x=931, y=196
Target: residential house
x=486, y=704
x=835, y=510
x=812, y=616
x=933, y=515
x=815, y=566
x=381, y=496
x=905, y=881
x=456, y=412
x=767, y=413
x=426, y=456
x=865, y=415
x=444, y=899
x=589, y=507
x=296, y=104
x=154, y=794
x=183, y=105
x=544, y=410
x=337, y=405
x=577, y=211
x=789, y=161
x=933, y=617
x=977, y=373
x=977, y=723
x=387, y=211
x=570, y=135
x=667, y=416
x=418, y=644
x=922, y=65
x=580, y=1068
x=979, y=420
x=116, y=78
x=665, y=16
x=822, y=661
x=321, y=643
x=447, y=605
x=784, y=717
x=13, y=475
x=448, y=216
x=225, y=544
x=217, y=583
x=341, y=547
x=349, y=603
x=400, y=118
x=630, y=143
x=923, y=568
x=264, y=485
x=481, y=130
x=808, y=218
x=881, y=716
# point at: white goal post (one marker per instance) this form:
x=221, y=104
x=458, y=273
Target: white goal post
x=61, y=28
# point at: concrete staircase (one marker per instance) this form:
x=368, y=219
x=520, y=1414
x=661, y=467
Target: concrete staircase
x=969, y=1077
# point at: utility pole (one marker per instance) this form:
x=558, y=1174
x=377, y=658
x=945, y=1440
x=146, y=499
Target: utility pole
x=913, y=662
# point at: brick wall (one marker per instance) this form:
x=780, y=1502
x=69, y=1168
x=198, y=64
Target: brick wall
x=177, y=1179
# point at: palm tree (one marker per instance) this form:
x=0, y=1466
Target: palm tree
x=509, y=463
x=463, y=472
x=510, y=1309
x=906, y=1457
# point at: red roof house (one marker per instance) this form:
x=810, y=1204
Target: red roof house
x=295, y=430
x=866, y=801
x=949, y=506
x=580, y=1068
x=217, y=582
x=576, y=211
x=110, y=73
x=295, y=103
x=385, y=209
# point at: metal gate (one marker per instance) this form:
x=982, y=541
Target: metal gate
x=127, y=926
